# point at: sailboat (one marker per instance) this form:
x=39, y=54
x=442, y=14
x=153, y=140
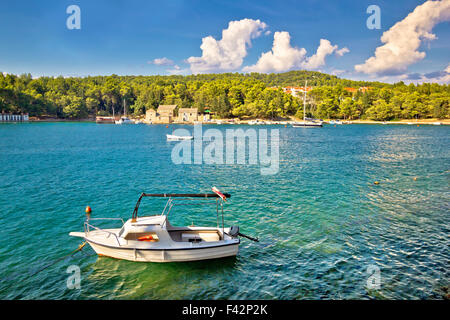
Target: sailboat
x=306, y=123
x=124, y=119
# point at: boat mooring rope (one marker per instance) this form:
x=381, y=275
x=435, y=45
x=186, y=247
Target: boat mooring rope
x=80, y=247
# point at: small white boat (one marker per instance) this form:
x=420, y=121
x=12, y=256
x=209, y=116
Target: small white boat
x=307, y=124
x=154, y=239
x=124, y=120
x=436, y=123
x=178, y=138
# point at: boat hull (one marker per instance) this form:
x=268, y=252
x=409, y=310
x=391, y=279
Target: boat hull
x=166, y=255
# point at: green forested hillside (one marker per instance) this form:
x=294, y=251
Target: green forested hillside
x=227, y=95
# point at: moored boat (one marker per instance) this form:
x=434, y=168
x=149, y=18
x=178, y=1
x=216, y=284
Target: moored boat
x=124, y=120
x=306, y=124
x=154, y=239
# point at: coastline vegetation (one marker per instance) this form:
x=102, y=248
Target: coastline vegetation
x=227, y=95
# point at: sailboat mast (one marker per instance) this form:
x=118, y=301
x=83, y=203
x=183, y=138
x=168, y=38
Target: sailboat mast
x=304, y=101
x=124, y=109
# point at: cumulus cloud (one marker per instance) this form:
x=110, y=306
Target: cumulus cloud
x=325, y=48
x=227, y=54
x=402, y=41
x=162, y=62
x=284, y=57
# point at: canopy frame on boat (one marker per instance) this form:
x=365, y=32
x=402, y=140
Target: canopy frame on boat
x=220, y=198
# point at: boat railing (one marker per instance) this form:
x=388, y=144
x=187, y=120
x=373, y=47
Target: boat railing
x=87, y=227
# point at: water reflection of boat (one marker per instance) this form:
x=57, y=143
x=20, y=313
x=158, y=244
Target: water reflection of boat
x=178, y=138
x=154, y=239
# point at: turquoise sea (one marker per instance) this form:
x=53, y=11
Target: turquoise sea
x=322, y=222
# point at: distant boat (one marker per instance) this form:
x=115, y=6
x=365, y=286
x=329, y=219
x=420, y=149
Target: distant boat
x=307, y=123
x=178, y=138
x=436, y=123
x=100, y=119
x=124, y=120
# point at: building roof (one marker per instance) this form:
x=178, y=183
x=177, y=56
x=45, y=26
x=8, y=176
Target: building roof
x=191, y=110
x=166, y=107
x=297, y=88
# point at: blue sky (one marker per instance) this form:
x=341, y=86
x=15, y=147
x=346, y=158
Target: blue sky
x=124, y=37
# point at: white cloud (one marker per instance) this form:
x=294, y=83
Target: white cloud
x=227, y=54
x=402, y=41
x=176, y=70
x=337, y=72
x=284, y=57
x=325, y=48
x=342, y=51
x=162, y=62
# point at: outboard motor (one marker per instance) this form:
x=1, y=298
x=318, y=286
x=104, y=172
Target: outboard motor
x=234, y=231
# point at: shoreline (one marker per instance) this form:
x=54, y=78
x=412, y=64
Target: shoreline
x=246, y=122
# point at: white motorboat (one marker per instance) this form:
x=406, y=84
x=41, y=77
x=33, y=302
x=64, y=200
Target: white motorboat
x=124, y=120
x=154, y=239
x=178, y=138
x=436, y=123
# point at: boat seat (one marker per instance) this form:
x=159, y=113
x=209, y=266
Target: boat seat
x=200, y=236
